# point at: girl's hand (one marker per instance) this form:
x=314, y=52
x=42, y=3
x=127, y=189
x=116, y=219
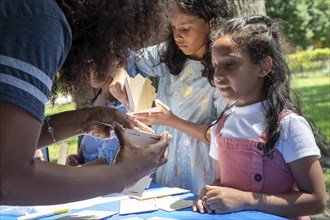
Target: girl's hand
x=163, y=117
x=117, y=86
x=200, y=205
x=224, y=200
x=75, y=159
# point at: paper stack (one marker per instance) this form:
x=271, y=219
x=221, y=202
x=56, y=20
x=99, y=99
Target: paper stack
x=140, y=93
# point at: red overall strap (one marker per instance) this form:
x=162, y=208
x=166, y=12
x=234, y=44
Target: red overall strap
x=220, y=125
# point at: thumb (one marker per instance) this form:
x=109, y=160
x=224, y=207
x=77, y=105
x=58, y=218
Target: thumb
x=162, y=105
x=209, y=187
x=161, y=147
x=120, y=133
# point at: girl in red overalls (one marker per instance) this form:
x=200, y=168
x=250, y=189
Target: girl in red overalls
x=268, y=158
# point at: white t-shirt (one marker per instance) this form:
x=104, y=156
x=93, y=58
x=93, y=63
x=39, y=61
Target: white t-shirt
x=296, y=139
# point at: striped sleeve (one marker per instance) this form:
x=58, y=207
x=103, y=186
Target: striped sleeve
x=32, y=49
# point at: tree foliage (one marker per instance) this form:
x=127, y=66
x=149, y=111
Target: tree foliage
x=306, y=22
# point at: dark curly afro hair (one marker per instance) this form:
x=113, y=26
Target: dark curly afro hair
x=103, y=31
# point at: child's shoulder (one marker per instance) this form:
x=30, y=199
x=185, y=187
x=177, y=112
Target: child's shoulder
x=294, y=123
x=288, y=115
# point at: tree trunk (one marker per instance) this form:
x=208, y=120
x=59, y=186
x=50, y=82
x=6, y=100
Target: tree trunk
x=250, y=7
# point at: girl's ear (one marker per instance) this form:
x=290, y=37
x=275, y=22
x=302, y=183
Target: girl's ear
x=266, y=66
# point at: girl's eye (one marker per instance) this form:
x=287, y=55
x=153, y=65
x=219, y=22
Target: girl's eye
x=229, y=65
x=186, y=28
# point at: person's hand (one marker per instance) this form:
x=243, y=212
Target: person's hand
x=75, y=159
x=163, y=117
x=199, y=204
x=38, y=155
x=117, y=86
x=100, y=121
x=224, y=200
x=141, y=160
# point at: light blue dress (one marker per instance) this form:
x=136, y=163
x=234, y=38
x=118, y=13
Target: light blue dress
x=95, y=148
x=192, y=98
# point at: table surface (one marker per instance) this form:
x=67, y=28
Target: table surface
x=186, y=213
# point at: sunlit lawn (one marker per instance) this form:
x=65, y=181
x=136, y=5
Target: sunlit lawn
x=315, y=97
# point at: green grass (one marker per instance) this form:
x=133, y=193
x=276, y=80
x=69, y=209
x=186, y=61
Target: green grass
x=315, y=103
x=315, y=100
x=50, y=110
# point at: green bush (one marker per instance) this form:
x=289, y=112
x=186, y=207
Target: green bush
x=310, y=55
x=310, y=60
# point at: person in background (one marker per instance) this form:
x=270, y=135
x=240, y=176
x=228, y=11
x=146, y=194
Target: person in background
x=267, y=156
x=73, y=38
x=93, y=148
x=39, y=155
x=188, y=102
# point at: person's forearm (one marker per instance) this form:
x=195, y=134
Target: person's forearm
x=195, y=130
x=66, y=124
x=101, y=100
x=292, y=204
x=35, y=185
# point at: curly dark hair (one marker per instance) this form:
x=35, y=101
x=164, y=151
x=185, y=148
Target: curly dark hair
x=103, y=31
x=260, y=36
x=216, y=10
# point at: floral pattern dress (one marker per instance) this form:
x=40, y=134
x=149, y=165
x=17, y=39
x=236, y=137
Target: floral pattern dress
x=192, y=98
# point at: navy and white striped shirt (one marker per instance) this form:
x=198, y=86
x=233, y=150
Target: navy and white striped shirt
x=35, y=39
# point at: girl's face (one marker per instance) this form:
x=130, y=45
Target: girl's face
x=190, y=34
x=236, y=76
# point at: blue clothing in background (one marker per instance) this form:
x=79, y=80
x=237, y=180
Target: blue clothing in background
x=95, y=148
x=192, y=98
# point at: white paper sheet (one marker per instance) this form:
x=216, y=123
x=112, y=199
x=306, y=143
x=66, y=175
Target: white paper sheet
x=154, y=193
x=81, y=204
x=89, y=215
x=139, y=187
x=172, y=203
x=168, y=203
x=149, y=110
x=130, y=206
x=141, y=137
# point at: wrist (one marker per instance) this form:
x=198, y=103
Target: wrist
x=132, y=173
x=251, y=200
x=49, y=128
x=87, y=116
x=171, y=120
x=102, y=99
